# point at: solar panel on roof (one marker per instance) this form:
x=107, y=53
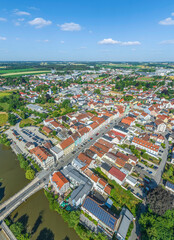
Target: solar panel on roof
x=170, y=185
x=100, y=213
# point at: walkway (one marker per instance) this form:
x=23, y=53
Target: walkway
x=8, y=234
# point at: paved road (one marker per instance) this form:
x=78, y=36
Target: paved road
x=161, y=167
x=10, y=205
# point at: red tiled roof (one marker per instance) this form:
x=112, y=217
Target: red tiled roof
x=120, y=162
x=94, y=177
x=66, y=143
x=46, y=129
x=41, y=153
x=49, y=120
x=117, y=173
x=108, y=189
x=102, y=182
x=59, y=179
x=146, y=144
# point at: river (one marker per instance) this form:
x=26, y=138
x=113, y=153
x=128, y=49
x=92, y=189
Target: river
x=34, y=213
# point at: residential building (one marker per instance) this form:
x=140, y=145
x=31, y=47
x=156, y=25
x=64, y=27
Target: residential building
x=59, y=182
x=43, y=157
x=117, y=175
x=106, y=221
x=125, y=219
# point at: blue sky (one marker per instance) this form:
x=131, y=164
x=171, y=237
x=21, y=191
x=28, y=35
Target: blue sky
x=98, y=30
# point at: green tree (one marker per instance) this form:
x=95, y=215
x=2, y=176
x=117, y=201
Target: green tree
x=24, y=165
x=30, y=174
x=97, y=91
x=17, y=228
x=154, y=227
x=12, y=119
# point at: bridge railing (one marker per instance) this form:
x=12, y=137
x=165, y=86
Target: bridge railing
x=7, y=212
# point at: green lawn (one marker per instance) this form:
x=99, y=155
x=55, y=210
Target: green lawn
x=4, y=94
x=26, y=122
x=3, y=119
x=169, y=173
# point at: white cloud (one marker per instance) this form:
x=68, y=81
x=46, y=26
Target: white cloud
x=3, y=38
x=62, y=42
x=70, y=27
x=21, y=13
x=83, y=47
x=108, y=41
x=167, y=42
x=129, y=43
x=46, y=40
x=21, y=19
x=3, y=19
x=167, y=21
x=112, y=42
x=172, y=13
x=40, y=22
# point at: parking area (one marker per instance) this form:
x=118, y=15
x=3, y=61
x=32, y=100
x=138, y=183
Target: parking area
x=20, y=136
x=143, y=169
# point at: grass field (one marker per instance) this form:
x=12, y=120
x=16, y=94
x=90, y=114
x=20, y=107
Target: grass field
x=146, y=79
x=26, y=122
x=4, y=94
x=5, y=105
x=22, y=73
x=3, y=119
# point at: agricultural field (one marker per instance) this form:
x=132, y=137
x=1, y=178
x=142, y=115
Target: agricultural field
x=146, y=79
x=18, y=73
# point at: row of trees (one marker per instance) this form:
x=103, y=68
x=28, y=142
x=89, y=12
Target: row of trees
x=30, y=173
x=120, y=85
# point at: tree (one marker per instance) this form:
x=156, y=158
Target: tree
x=17, y=228
x=30, y=174
x=163, y=145
x=159, y=200
x=74, y=218
x=154, y=227
x=97, y=91
x=24, y=165
x=66, y=103
x=12, y=119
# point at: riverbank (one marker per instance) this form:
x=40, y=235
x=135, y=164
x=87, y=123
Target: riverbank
x=35, y=212
x=73, y=219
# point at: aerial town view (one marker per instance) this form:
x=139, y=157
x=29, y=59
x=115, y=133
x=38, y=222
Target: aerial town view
x=87, y=120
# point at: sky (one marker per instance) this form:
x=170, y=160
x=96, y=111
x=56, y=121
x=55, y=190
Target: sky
x=93, y=30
